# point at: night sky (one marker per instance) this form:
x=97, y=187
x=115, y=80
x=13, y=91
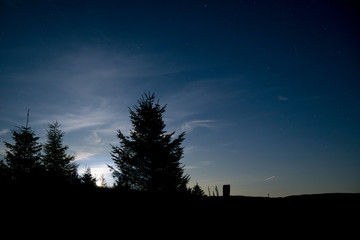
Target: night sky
x=267, y=91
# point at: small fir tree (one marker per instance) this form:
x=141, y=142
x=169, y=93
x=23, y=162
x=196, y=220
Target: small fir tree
x=197, y=190
x=87, y=179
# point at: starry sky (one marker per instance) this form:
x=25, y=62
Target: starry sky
x=267, y=91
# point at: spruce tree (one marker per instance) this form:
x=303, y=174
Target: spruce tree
x=58, y=164
x=197, y=190
x=87, y=179
x=23, y=157
x=149, y=158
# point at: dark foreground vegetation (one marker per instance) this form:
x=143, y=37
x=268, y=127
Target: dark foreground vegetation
x=112, y=211
x=115, y=200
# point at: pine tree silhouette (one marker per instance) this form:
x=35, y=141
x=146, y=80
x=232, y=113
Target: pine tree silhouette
x=87, y=179
x=58, y=164
x=197, y=190
x=148, y=159
x=22, y=158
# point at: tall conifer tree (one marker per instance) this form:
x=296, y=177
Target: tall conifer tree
x=149, y=159
x=23, y=157
x=58, y=164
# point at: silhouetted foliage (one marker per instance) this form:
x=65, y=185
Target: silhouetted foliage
x=5, y=174
x=22, y=160
x=148, y=159
x=58, y=164
x=87, y=179
x=197, y=190
x=217, y=191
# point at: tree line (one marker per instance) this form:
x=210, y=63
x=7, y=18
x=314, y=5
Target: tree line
x=28, y=163
x=148, y=160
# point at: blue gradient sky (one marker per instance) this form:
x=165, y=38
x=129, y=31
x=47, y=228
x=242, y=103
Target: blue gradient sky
x=267, y=91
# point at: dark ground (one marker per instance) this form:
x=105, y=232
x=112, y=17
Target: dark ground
x=111, y=212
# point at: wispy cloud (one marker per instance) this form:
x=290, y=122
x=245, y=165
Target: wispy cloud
x=190, y=149
x=269, y=178
x=282, y=98
x=72, y=122
x=191, y=125
x=90, y=69
x=200, y=165
x=3, y=132
x=79, y=156
x=196, y=97
x=86, y=153
x=191, y=167
x=79, y=119
x=97, y=117
x=84, y=74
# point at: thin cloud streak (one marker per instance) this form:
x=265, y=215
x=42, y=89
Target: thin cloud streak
x=3, y=132
x=269, y=178
x=191, y=125
x=79, y=156
x=80, y=119
x=186, y=102
x=191, y=167
x=282, y=98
